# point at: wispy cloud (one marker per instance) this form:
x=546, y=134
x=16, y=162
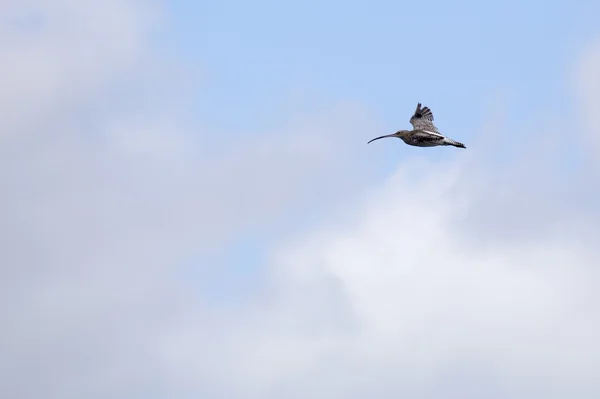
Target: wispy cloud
x=107, y=194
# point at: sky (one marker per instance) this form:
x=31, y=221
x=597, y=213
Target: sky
x=190, y=207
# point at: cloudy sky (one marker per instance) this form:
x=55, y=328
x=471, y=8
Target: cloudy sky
x=190, y=208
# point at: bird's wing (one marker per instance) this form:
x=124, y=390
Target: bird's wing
x=423, y=119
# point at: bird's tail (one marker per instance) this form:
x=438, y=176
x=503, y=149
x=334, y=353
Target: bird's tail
x=455, y=143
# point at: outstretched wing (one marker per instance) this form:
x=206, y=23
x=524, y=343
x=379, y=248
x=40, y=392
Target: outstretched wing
x=423, y=119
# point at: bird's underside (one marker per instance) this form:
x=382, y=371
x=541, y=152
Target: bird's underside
x=424, y=133
x=422, y=138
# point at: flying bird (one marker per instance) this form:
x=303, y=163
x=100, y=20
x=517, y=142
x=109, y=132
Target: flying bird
x=424, y=133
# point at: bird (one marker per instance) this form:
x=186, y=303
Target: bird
x=424, y=133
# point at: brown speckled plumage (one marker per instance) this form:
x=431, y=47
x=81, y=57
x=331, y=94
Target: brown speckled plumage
x=424, y=133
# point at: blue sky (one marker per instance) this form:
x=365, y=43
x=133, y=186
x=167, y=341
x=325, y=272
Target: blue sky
x=190, y=189
x=385, y=55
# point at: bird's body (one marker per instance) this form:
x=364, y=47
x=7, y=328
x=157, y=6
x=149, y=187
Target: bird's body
x=424, y=133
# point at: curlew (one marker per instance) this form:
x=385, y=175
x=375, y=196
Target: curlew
x=424, y=133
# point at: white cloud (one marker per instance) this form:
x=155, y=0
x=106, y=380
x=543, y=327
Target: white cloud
x=107, y=194
x=442, y=312
x=59, y=53
x=453, y=279
x=402, y=300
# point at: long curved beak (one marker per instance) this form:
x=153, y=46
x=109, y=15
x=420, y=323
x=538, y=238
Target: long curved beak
x=382, y=137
